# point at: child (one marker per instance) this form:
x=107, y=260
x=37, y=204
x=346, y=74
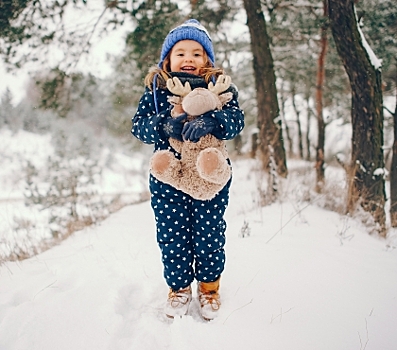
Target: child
x=190, y=232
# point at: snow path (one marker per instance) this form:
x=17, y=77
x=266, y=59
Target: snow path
x=307, y=288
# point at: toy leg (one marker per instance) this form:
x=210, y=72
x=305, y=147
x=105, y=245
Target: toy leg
x=165, y=167
x=212, y=166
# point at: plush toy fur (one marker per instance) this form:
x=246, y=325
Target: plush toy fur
x=203, y=169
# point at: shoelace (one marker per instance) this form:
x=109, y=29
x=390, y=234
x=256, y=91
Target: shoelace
x=211, y=298
x=178, y=297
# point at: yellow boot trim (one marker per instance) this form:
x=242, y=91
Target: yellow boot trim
x=208, y=294
x=208, y=287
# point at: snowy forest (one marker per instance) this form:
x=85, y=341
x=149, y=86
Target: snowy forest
x=312, y=220
x=317, y=82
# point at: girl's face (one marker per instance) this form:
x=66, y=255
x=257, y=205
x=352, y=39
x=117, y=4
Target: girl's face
x=187, y=56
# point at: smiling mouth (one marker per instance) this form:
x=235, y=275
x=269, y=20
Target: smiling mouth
x=188, y=68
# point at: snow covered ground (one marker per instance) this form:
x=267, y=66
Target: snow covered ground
x=23, y=229
x=303, y=278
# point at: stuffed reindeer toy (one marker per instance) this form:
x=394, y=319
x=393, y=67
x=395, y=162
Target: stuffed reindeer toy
x=203, y=169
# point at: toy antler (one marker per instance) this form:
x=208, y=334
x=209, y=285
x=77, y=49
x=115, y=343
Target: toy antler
x=222, y=84
x=177, y=88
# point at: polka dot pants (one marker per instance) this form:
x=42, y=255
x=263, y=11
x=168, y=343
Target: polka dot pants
x=190, y=234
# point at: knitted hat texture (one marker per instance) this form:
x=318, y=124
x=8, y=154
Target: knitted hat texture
x=190, y=30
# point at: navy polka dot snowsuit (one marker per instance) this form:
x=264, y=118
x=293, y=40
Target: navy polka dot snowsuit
x=190, y=232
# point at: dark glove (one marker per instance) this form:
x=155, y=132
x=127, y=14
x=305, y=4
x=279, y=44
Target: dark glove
x=172, y=127
x=199, y=127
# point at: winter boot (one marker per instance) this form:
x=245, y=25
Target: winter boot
x=210, y=301
x=178, y=302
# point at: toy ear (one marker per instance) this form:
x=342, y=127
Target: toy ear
x=226, y=97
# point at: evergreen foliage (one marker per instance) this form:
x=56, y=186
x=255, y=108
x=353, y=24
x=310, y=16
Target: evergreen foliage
x=154, y=20
x=378, y=21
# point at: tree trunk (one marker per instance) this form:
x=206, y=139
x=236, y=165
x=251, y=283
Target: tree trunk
x=307, y=137
x=366, y=186
x=298, y=124
x=287, y=133
x=393, y=173
x=270, y=140
x=319, y=104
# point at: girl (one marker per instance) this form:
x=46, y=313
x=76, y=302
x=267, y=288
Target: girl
x=190, y=232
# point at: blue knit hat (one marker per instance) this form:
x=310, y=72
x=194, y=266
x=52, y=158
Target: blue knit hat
x=190, y=30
